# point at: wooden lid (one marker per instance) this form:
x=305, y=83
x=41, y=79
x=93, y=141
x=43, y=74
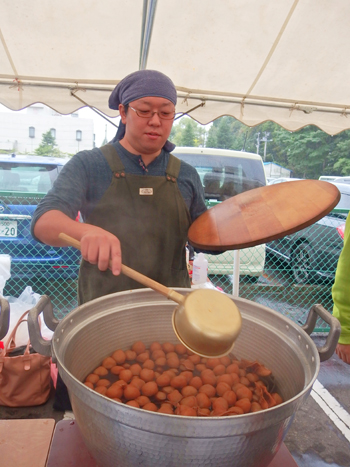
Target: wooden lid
x=263, y=214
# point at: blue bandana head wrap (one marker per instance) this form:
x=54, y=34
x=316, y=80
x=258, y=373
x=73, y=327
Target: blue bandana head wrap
x=140, y=84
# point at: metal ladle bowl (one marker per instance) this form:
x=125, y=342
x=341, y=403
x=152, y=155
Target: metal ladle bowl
x=206, y=321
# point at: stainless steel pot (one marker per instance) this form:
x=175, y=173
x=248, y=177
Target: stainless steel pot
x=117, y=434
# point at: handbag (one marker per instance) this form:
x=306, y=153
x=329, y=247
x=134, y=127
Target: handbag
x=25, y=375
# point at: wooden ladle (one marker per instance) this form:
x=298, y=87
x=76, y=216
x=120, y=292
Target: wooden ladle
x=206, y=321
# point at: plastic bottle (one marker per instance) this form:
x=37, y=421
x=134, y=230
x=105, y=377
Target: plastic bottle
x=187, y=256
x=200, y=269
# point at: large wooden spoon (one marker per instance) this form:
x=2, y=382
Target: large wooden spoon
x=206, y=321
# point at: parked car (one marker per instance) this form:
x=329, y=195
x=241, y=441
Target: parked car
x=327, y=178
x=334, y=178
x=312, y=253
x=24, y=180
x=342, y=180
x=225, y=173
x=280, y=180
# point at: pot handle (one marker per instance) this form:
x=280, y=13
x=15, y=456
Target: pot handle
x=40, y=345
x=4, y=317
x=328, y=349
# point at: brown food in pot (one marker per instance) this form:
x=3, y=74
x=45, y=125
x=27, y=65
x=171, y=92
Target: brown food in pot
x=101, y=371
x=118, y=356
x=103, y=382
x=114, y=391
x=166, y=408
x=131, y=392
x=149, y=389
x=138, y=347
x=92, y=378
x=169, y=379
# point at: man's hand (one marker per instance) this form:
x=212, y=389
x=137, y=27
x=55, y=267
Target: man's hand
x=102, y=248
x=343, y=352
x=97, y=245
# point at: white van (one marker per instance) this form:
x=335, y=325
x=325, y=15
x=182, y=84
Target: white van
x=225, y=173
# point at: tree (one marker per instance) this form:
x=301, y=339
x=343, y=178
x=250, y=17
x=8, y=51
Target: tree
x=48, y=146
x=242, y=137
x=224, y=135
x=211, y=141
x=188, y=134
x=229, y=133
x=342, y=164
x=309, y=151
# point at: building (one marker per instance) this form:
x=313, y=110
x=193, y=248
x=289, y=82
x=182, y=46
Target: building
x=22, y=131
x=273, y=170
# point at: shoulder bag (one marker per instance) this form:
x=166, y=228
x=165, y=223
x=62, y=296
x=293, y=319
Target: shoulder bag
x=25, y=378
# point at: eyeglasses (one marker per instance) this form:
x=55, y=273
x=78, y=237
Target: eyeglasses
x=150, y=113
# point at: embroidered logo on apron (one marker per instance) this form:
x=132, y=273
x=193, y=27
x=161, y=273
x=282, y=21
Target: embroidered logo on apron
x=146, y=191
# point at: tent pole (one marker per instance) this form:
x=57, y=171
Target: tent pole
x=149, y=11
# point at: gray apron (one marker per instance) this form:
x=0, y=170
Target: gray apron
x=150, y=218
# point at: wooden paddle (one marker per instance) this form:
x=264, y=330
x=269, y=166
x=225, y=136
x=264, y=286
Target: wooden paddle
x=263, y=214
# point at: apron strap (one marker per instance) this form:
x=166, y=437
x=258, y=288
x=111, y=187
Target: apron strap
x=113, y=159
x=173, y=168
x=115, y=164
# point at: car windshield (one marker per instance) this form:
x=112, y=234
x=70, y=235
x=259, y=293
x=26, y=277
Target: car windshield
x=32, y=178
x=223, y=177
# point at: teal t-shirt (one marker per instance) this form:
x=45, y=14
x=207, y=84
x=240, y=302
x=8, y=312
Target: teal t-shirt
x=341, y=288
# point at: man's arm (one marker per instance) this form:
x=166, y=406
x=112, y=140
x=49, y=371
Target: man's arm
x=97, y=245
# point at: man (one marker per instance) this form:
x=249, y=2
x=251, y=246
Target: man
x=136, y=199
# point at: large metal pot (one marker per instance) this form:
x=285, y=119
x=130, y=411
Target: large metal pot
x=117, y=434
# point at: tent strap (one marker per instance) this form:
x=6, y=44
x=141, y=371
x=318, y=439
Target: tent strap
x=202, y=104
x=93, y=108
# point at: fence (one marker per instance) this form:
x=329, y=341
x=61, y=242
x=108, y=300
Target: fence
x=289, y=275
x=298, y=270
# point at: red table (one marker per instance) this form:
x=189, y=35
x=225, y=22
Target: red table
x=68, y=449
x=25, y=443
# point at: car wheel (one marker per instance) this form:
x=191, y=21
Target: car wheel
x=250, y=279
x=301, y=263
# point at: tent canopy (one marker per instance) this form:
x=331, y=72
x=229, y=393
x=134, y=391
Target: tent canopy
x=256, y=60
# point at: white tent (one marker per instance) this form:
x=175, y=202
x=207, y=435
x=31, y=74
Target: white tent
x=257, y=60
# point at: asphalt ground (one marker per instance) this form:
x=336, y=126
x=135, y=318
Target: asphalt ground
x=320, y=433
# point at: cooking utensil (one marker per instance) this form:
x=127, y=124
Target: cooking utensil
x=263, y=214
x=117, y=434
x=206, y=321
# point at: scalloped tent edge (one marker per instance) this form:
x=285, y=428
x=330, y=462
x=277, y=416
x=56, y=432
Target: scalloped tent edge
x=255, y=61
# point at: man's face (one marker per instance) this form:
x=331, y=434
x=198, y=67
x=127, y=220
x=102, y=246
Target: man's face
x=146, y=136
